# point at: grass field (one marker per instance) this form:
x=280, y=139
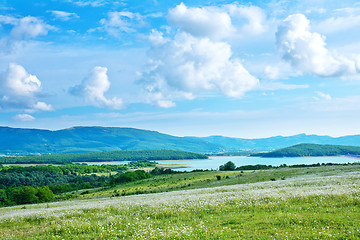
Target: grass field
x=309, y=203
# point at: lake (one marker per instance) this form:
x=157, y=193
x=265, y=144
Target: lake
x=215, y=162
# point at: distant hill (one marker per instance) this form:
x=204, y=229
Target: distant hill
x=277, y=142
x=312, y=150
x=18, y=141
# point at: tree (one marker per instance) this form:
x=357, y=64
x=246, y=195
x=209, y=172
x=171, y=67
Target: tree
x=3, y=198
x=23, y=195
x=44, y=194
x=229, y=166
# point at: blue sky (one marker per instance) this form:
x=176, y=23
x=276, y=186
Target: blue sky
x=191, y=68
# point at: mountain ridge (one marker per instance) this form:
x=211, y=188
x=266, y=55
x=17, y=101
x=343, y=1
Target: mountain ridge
x=32, y=141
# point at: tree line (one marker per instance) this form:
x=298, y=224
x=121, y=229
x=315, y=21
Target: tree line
x=108, y=156
x=34, y=184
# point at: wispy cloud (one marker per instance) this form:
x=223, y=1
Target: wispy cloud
x=23, y=29
x=92, y=3
x=23, y=118
x=63, y=16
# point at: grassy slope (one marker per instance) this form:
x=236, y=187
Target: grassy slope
x=321, y=202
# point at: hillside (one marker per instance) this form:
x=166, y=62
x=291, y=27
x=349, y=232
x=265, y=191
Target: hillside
x=199, y=206
x=312, y=150
x=277, y=142
x=17, y=141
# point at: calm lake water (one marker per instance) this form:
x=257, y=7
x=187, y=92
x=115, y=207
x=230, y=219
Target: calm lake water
x=215, y=162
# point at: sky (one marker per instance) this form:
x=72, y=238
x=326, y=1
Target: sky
x=187, y=68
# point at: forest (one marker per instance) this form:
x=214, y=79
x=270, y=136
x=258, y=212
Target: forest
x=109, y=156
x=35, y=184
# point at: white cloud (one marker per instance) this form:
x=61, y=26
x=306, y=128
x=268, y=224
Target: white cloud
x=30, y=27
x=274, y=85
x=342, y=20
x=307, y=52
x=271, y=72
x=41, y=106
x=93, y=88
x=218, y=22
x=64, y=16
x=23, y=118
x=92, y=3
x=20, y=83
x=186, y=66
x=23, y=29
x=202, y=22
x=20, y=89
x=118, y=22
x=8, y=20
x=322, y=96
x=254, y=15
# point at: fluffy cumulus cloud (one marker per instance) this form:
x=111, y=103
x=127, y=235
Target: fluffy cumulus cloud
x=64, y=16
x=202, y=22
x=307, y=52
x=119, y=22
x=186, y=66
x=198, y=60
x=218, y=22
x=93, y=88
x=20, y=90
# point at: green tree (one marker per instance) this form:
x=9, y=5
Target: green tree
x=3, y=198
x=44, y=194
x=229, y=166
x=23, y=195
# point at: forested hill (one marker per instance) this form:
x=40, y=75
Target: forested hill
x=19, y=141
x=312, y=150
x=278, y=142
x=139, y=155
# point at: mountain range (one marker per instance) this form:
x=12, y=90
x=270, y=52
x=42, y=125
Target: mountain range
x=21, y=141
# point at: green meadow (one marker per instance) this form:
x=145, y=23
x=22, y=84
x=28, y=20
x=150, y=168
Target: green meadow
x=286, y=203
